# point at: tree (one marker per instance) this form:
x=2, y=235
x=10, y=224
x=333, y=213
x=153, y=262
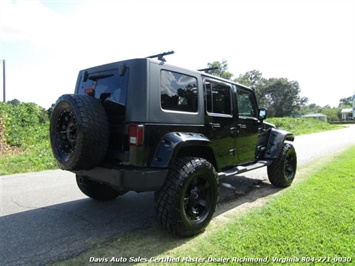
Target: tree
x=278, y=95
x=345, y=102
x=222, y=69
x=332, y=113
x=14, y=102
x=282, y=97
x=309, y=109
x=254, y=79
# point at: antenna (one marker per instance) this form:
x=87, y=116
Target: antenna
x=161, y=56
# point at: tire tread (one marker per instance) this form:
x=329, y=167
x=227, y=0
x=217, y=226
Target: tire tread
x=167, y=198
x=92, y=135
x=276, y=172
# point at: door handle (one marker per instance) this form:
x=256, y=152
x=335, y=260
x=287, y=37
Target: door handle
x=242, y=126
x=215, y=125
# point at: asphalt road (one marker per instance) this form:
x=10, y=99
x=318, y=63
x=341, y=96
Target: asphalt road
x=45, y=218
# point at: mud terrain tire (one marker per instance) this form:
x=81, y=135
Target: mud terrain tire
x=185, y=204
x=283, y=170
x=79, y=132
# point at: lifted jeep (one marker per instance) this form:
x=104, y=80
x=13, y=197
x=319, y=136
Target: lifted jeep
x=144, y=125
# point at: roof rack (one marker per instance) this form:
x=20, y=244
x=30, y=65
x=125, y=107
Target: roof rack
x=161, y=56
x=208, y=69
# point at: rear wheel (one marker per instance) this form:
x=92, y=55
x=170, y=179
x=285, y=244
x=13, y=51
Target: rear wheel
x=96, y=190
x=283, y=170
x=187, y=201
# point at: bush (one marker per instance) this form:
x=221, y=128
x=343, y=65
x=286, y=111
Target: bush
x=26, y=131
x=24, y=123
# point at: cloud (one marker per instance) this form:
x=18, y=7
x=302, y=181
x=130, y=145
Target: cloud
x=25, y=20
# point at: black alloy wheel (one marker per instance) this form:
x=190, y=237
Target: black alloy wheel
x=185, y=204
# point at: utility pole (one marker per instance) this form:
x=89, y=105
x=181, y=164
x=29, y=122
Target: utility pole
x=3, y=81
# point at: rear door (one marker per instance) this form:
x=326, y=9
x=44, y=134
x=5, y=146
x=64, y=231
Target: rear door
x=248, y=125
x=219, y=121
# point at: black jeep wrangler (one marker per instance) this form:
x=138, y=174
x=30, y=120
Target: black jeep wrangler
x=143, y=125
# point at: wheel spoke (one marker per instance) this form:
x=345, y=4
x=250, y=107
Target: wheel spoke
x=202, y=203
x=193, y=214
x=66, y=131
x=204, y=187
x=186, y=201
x=289, y=166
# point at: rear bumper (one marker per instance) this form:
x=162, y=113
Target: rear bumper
x=127, y=179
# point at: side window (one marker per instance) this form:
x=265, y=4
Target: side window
x=246, y=103
x=178, y=92
x=218, y=98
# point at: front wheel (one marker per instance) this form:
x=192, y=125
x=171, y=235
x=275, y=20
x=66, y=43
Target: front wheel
x=283, y=170
x=186, y=202
x=96, y=190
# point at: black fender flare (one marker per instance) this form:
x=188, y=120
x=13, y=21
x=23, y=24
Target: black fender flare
x=170, y=145
x=276, y=139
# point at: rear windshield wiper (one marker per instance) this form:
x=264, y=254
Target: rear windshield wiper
x=95, y=77
x=98, y=76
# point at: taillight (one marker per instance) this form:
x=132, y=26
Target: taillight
x=89, y=91
x=136, y=133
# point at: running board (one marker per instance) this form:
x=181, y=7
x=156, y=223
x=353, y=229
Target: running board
x=242, y=169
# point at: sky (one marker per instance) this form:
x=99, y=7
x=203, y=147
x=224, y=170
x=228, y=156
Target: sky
x=46, y=43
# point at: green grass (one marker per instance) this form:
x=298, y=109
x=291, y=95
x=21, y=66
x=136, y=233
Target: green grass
x=35, y=153
x=301, y=126
x=32, y=160
x=310, y=221
x=24, y=132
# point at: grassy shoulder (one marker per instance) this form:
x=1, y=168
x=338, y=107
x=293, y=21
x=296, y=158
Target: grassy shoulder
x=310, y=222
x=34, y=154
x=302, y=126
x=30, y=160
x=24, y=139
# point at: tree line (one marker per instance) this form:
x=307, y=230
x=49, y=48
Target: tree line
x=279, y=95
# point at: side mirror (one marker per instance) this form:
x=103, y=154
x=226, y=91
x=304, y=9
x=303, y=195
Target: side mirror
x=262, y=113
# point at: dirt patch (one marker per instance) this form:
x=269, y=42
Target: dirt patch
x=5, y=148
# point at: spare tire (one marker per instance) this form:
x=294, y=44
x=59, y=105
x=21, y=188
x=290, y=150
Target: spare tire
x=79, y=132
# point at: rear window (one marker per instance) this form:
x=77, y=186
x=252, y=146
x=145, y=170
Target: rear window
x=178, y=92
x=111, y=88
x=108, y=85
